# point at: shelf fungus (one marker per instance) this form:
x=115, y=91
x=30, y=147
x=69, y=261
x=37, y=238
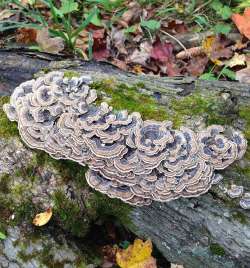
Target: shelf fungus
x=128, y=158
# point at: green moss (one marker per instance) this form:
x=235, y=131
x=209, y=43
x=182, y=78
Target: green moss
x=70, y=215
x=103, y=207
x=216, y=249
x=244, y=113
x=4, y=183
x=45, y=70
x=198, y=105
x=7, y=128
x=239, y=216
x=26, y=257
x=70, y=74
x=124, y=97
x=24, y=212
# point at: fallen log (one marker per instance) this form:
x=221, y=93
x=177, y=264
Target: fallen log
x=211, y=230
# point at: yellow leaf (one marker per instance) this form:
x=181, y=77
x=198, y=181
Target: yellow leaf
x=43, y=218
x=237, y=60
x=137, y=255
x=207, y=44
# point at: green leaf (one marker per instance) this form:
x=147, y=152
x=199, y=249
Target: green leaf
x=228, y=73
x=201, y=20
x=152, y=25
x=208, y=76
x=95, y=19
x=225, y=12
x=7, y=25
x=68, y=6
x=221, y=10
x=2, y=236
x=130, y=29
x=85, y=23
x=216, y=5
x=222, y=28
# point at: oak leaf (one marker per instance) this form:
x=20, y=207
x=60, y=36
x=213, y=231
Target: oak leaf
x=137, y=255
x=42, y=218
x=243, y=22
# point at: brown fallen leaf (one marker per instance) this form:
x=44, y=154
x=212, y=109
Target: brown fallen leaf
x=174, y=26
x=240, y=45
x=137, y=255
x=243, y=22
x=132, y=14
x=140, y=56
x=162, y=51
x=47, y=43
x=118, y=39
x=42, y=218
x=26, y=35
x=197, y=65
x=100, y=46
x=243, y=75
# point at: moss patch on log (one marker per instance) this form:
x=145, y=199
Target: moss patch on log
x=217, y=249
x=125, y=97
x=7, y=128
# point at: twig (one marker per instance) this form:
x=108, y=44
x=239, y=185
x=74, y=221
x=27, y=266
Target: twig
x=174, y=38
x=201, y=6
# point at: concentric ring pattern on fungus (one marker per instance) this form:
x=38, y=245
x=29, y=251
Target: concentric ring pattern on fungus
x=128, y=158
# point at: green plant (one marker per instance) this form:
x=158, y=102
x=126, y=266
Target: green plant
x=107, y=4
x=224, y=11
x=60, y=17
x=224, y=72
x=2, y=236
x=151, y=25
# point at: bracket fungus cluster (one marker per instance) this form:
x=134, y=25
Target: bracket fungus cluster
x=128, y=158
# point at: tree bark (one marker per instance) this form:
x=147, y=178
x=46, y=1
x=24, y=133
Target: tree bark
x=208, y=231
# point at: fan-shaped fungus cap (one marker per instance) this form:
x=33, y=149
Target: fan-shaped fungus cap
x=134, y=160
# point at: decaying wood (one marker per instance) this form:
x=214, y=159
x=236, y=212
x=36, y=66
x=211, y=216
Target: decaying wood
x=208, y=231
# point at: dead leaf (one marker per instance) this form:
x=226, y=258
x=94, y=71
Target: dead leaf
x=132, y=14
x=142, y=55
x=217, y=48
x=174, y=26
x=100, y=48
x=240, y=45
x=118, y=38
x=5, y=14
x=26, y=35
x=120, y=64
x=243, y=75
x=197, y=65
x=137, y=255
x=243, y=22
x=109, y=256
x=47, y=43
x=42, y=218
x=237, y=60
x=162, y=51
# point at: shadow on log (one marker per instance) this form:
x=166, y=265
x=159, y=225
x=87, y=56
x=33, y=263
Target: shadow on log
x=209, y=231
